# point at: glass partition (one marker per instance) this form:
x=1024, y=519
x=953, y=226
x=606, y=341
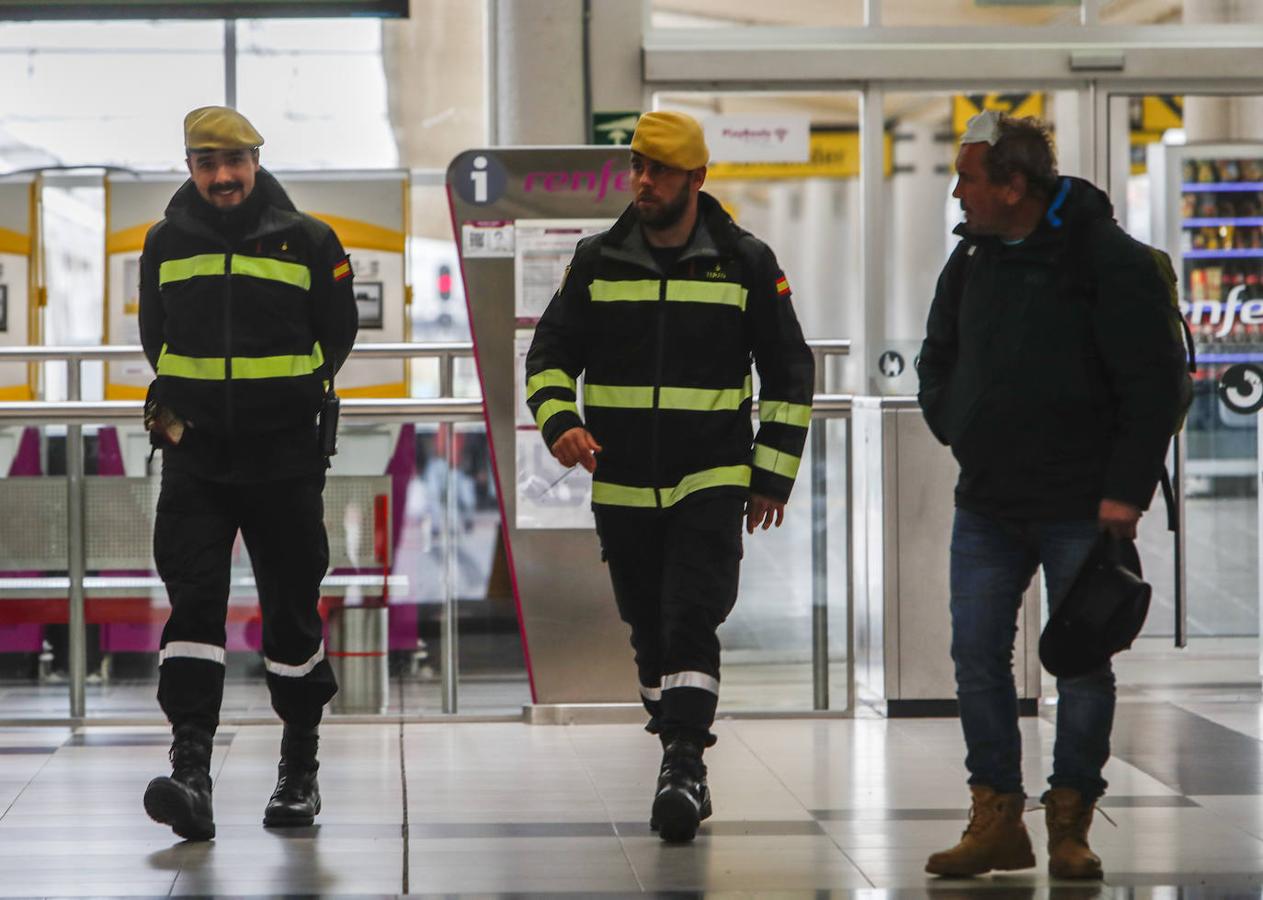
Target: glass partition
x=768, y=638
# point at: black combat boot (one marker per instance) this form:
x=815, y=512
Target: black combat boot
x=183, y=801
x=296, y=800
x=683, y=799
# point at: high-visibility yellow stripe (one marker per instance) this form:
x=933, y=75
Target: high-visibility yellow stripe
x=785, y=413
x=704, y=399
x=212, y=368
x=776, y=461
x=722, y=292
x=641, y=397
x=617, y=395
x=190, y=267
x=548, y=378
x=551, y=408
x=723, y=476
x=272, y=270
x=202, y=368
x=253, y=367
x=603, y=291
x=621, y=495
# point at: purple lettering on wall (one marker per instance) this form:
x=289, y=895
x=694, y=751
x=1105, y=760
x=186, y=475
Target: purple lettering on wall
x=598, y=183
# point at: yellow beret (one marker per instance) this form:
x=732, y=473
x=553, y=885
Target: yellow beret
x=671, y=138
x=219, y=128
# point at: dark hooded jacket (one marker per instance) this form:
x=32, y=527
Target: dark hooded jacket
x=1055, y=368
x=666, y=360
x=245, y=316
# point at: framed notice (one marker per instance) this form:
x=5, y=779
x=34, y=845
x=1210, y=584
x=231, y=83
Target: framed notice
x=368, y=300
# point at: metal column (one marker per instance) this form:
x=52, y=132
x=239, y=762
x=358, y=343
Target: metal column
x=76, y=546
x=448, y=636
x=819, y=552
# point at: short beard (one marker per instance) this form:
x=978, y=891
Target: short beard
x=667, y=216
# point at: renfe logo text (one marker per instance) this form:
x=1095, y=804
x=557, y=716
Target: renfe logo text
x=598, y=183
x=1225, y=314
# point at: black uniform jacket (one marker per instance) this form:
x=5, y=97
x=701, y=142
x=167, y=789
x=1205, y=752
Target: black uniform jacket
x=1055, y=368
x=666, y=362
x=245, y=317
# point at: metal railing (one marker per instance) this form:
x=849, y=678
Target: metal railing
x=74, y=413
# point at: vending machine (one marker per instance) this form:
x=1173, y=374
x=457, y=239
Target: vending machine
x=1207, y=209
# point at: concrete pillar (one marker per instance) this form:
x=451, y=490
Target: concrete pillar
x=537, y=89
x=434, y=78
x=435, y=92
x=1070, y=116
x=917, y=248
x=917, y=190
x=616, y=34
x=1223, y=118
x=818, y=298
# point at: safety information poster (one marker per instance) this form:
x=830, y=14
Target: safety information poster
x=543, y=250
x=548, y=494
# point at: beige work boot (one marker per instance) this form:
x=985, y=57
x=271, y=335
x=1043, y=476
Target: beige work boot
x=994, y=839
x=1069, y=816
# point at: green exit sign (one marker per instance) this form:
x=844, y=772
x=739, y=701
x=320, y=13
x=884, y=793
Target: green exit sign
x=28, y=11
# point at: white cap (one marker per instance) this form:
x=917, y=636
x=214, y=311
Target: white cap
x=983, y=128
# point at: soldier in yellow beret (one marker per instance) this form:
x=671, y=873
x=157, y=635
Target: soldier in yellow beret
x=246, y=313
x=663, y=314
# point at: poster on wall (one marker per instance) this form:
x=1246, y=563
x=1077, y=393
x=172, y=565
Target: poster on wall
x=367, y=210
x=543, y=250
x=133, y=203
x=548, y=494
x=369, y=213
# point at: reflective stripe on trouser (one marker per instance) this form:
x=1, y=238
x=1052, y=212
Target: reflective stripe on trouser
x=675, y=576
x=282, y=524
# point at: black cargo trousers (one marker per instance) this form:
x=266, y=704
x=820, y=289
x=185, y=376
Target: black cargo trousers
x=282, y=524
x=675, y=573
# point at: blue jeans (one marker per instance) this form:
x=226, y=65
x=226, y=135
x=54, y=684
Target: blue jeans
x=993, y=561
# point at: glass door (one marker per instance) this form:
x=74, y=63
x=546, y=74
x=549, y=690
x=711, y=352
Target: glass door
x=1185, y=172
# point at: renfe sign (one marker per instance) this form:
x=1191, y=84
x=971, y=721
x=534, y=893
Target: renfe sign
x=596, y=183
x=1226, y=314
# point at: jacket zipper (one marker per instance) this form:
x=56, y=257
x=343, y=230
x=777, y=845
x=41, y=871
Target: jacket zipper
x=657, y=386
x=228, y=423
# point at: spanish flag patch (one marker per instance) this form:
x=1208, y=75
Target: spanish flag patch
x=782, y=286
x=342, y=269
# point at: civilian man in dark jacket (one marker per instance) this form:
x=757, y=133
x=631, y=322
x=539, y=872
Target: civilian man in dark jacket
x=246, y=313
x=1053, y=366
x=663, y=314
